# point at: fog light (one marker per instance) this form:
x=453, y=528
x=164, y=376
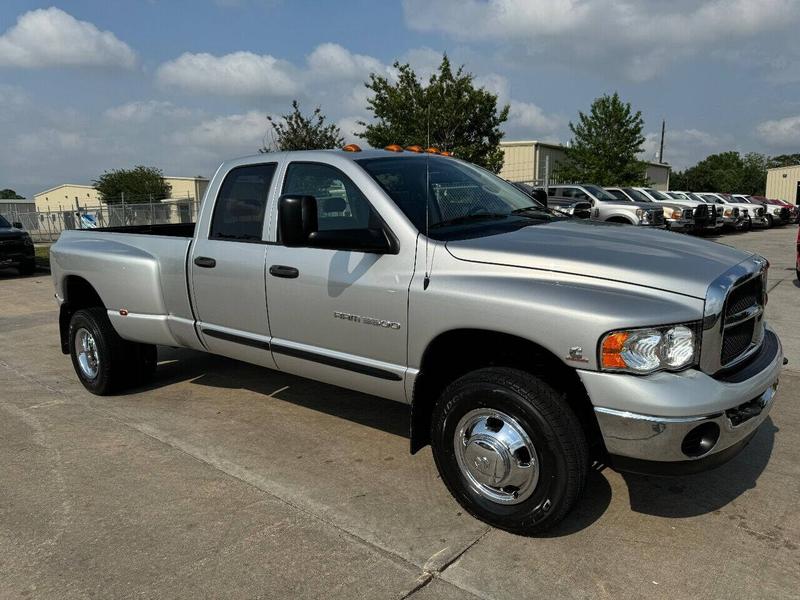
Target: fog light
x=700, y=440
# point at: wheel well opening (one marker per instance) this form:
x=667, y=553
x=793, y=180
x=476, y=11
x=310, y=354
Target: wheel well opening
x=619, y=220
x=458, y=352
x=78, y=294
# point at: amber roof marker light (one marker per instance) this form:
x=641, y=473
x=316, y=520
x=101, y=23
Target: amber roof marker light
x=394, y=148
x=352, y=148
x=415, y=149
x=432, y=150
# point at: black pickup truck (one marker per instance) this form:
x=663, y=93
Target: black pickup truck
x=16, y=247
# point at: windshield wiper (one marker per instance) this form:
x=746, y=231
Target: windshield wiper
x=469, y=219
x=525, y=211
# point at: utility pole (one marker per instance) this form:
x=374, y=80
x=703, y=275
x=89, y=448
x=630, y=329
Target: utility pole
x=661, y=148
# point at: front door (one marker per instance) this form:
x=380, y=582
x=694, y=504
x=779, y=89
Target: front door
x=339, y=315
x=227, y=265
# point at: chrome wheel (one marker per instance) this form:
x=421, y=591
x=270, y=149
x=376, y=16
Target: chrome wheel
x=86, y=351
x=496, y=456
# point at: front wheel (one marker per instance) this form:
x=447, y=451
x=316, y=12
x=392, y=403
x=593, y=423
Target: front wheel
x=770, y=221
x=509, y=449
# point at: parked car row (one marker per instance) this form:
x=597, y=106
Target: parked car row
x=674, y=210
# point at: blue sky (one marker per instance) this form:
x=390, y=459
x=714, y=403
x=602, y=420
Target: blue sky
x=87, y=86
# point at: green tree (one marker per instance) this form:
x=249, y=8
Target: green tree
x=137, y=185
x=296, y=131
x=727, y=172
x=448, y=112
x=7, y=194
x=606, y=144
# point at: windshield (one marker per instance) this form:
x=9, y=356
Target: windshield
x=656, y=194
x=676, y=195
x=695, y=197
x=462, y=200
x=599, y=193
x=3, y=222
x=711, y=199
x=637, y=195
x=619, y=195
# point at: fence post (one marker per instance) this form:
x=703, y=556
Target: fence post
x=546, y=171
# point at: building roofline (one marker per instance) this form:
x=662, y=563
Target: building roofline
x=784, y=167
x=77, y=185
x=563, y=147
x=197, y=178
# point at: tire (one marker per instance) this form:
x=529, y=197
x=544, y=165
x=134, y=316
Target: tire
x=27, y=267
x=518, y=404
x=108, y=364
x=770, y=221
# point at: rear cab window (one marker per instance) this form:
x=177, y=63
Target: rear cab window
x=241, y=204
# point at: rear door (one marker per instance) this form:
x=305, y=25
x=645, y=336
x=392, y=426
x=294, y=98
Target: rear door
x=227, y=266
x=339, y=315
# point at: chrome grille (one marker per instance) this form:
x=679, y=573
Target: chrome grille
x=657, y=216
x=742, y=325
x=688, y=214
x=733, y=317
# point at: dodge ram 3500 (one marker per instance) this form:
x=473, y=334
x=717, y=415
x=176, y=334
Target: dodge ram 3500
x=526, y=343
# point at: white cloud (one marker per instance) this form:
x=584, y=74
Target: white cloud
x=685, y=147
x=235, y=74
x=349, y=127
x=332, y=61
x=780, y=132
x=141, y=111
x=53, y=38
x=640, y=38
x=240, y=132
x=526, y=118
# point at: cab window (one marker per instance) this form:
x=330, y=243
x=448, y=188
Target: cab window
x=241, y=203
x=340, y=204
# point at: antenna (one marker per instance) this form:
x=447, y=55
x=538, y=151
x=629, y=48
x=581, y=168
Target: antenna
x=661, y=148
x=427, y=280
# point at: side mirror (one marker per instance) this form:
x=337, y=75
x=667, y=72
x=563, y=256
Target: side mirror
x=297, y=219
x=540, y=196
x=17, y=224
x=373, y=241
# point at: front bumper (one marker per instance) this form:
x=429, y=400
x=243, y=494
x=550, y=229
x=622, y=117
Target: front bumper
x=760, y=222
x=649, y=423
x=679, y=224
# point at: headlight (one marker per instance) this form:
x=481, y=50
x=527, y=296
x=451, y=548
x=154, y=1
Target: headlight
x=650, y=349
x=777, y=211
x=27, y=240
x=728, y=212
x=644, y=216
x=676, y=213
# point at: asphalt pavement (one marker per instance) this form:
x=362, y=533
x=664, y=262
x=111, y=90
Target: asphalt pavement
x=223, y=479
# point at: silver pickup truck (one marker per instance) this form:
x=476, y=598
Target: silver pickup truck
x=527, y=343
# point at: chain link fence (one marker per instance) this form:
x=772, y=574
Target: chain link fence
x=46, y=226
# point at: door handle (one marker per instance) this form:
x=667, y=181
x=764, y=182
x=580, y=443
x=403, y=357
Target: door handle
x=205, y=262
x=283, y=271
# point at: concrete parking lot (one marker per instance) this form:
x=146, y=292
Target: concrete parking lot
x=226, y=480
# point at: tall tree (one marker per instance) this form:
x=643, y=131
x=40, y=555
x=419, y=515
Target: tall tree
x=727, y=172
x=295, y=131
x=137, y=185
x=606, y=144
x=8, y=194
x=449, y=112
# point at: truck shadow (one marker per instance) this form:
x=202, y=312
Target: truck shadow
x=707, y=492
x=673, y=497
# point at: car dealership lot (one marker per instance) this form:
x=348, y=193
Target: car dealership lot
x=224, y=479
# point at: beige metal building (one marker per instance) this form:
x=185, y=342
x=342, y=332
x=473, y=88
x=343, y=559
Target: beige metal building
x=783, y=183
x=64, y=197
x=534, y=161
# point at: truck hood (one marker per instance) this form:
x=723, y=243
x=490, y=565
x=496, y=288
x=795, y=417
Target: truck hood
x=11, y=233
x=652, y=258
